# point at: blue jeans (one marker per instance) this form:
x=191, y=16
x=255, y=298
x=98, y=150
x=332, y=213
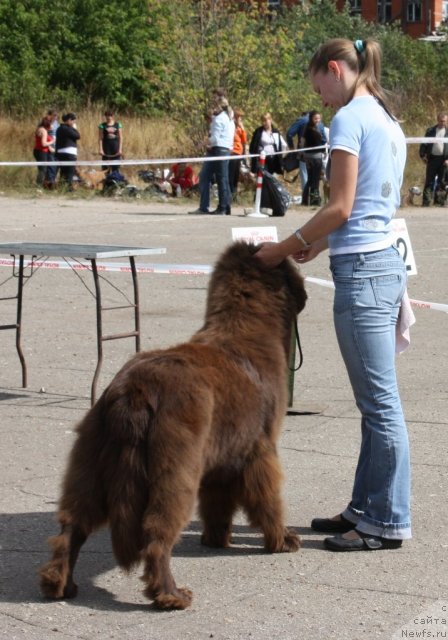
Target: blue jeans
x=368, y=292
x=303, y=174
x=220, y=170
x=52, y=171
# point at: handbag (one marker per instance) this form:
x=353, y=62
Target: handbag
x=291, y=162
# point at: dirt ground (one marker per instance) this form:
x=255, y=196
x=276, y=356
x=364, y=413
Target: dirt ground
x=240, y=593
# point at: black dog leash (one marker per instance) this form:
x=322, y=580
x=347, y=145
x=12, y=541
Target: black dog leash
x=299, y=346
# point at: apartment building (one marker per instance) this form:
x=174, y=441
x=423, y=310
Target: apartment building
x=417, y=17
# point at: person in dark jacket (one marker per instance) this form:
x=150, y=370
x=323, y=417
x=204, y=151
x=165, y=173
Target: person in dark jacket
x=296, y=129
x=267, y=138
x=435, y=155
x=313, y=137
x=67, y=137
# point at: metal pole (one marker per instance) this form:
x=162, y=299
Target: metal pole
x=99, y=329
x=256, y=211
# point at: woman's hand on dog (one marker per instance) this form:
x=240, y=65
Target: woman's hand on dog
x=271, y=254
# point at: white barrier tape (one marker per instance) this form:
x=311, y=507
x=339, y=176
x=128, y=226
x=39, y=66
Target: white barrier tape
x=176, y=269
x=151, y=161
x=159, y=161
x=173, y=269
x=422, y=140
x=420, y=304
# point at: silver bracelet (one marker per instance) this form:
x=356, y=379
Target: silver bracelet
x=299, y=236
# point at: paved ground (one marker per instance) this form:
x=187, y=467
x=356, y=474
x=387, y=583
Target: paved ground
x=240, y=593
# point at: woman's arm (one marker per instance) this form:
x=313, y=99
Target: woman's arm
x=74, y=133
x=344, y=173
x=43, y=135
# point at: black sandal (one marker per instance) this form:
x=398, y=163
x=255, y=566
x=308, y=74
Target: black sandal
x=326, y=525
x=365, y=542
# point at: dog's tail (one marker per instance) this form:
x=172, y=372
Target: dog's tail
x=157, y=426
x=128, y=417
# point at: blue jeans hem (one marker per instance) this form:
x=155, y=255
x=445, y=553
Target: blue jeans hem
x=364, y=524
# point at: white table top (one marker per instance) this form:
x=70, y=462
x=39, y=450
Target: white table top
x=87, y=251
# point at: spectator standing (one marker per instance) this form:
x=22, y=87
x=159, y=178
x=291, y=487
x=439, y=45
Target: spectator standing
x=110, y=140
x=296, y=130
x=239, y=148
x=267, y=138
x=67, y=137
x=43, y=145
x=220, y=143
x=313, y=136
x=435, y=154
x=52, y=171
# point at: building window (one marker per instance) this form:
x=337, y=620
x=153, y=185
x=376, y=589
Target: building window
x=355, y=7
x=384, y=11
x=445, y=11
x=414, y=11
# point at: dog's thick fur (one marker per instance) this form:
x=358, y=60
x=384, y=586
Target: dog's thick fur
x=199, y=420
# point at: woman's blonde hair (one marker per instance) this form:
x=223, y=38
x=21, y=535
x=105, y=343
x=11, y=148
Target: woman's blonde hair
x=361, y=56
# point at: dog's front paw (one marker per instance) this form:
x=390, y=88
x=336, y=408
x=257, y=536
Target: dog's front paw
x=285, y=541
x=180, y=598
x=291, y=541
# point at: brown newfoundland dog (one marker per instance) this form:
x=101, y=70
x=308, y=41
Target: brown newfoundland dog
x=196, y=421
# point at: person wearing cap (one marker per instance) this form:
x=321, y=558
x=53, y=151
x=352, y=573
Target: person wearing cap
x=67, y=137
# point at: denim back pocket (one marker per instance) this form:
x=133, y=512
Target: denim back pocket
x=388, y=289
x=347, y=288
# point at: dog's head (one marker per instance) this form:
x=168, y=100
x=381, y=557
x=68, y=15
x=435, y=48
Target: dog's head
x=242, y=285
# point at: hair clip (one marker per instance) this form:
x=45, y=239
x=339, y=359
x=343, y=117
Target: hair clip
x=359, y=45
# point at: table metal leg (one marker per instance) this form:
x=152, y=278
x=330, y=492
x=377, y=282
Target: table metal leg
x=136, y=303
x=19, y=323
x=99, y=329
x=99, y=322
x=17, y=326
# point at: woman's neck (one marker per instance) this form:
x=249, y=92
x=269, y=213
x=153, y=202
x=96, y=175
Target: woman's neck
x=361, y=91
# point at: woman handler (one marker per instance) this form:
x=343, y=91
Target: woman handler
x=368, y=154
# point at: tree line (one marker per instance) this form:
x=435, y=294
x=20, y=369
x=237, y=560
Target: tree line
x=154, y=57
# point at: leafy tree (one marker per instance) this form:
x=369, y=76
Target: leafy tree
x=158, y=57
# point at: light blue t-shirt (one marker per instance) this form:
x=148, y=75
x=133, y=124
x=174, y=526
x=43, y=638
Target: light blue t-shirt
x=364, y=129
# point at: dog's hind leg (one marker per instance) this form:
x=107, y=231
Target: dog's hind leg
x=261, y=499
x=171, y=502
x=217, y=504
x=56, y=577
x=162, y=528
x=81, y=509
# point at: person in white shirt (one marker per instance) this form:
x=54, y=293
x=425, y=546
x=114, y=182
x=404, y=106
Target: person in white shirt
x=220, y=144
